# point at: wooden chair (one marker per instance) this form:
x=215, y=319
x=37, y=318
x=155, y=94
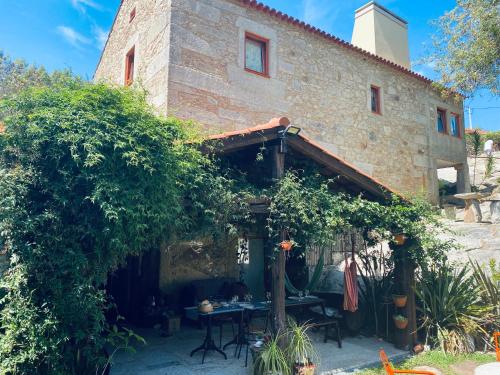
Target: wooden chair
x=391, y=371
x=496, y=337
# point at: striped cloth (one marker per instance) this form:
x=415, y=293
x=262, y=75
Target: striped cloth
x=350, y=285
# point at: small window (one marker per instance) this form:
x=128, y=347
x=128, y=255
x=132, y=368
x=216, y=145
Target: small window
x=375, y=99
x=256, y=55
x=132, y=15
x=129, y=67
x=441, y=121
x=455, y=125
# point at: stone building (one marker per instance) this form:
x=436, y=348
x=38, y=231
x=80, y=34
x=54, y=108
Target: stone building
x=232, y=64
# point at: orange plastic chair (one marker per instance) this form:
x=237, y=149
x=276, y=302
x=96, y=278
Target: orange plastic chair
x=496, y=336
x=391, y=371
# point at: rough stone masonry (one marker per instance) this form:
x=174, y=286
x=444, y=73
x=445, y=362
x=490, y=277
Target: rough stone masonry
x=190, y=57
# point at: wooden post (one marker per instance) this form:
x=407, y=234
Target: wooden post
x=404, y=274
x=278, y=265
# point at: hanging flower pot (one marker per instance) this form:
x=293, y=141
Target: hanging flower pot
x=400, y=239
x=400, y=321
x=399, y=300
x=286, y=245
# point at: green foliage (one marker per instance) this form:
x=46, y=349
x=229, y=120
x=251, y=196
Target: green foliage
x=272, y=359
x=311, y=212
x=467, y=47
x=18, y=75
x=88, y=176
x=452, y=308
x=300, y=349
x=489, y=286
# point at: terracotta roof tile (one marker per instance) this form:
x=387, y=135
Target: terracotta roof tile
x=274, y=123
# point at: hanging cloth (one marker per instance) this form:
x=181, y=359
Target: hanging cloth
x=351, y=280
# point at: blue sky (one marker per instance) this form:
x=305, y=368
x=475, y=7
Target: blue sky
x=71, y=33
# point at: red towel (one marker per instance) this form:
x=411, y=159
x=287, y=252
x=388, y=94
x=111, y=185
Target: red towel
x=350, y=285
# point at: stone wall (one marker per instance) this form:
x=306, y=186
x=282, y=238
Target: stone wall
x=149, y=34
x=322, y=87
x=190, y=58
x=196, y=260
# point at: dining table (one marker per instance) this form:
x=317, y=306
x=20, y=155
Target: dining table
x=239, y=308
x=208, y=343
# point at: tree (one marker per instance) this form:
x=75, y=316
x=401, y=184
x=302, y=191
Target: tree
x=467, y=47
x=88, y=176
x=16, y=75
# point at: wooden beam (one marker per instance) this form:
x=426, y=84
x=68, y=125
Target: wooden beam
x=278, y=265
x=235, y=143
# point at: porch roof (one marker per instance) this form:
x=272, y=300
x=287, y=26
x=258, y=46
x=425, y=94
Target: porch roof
x=229, y=142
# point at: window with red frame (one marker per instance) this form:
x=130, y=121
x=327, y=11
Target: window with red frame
x=132, y=15
x=129, y=67
x=455, y=125
x=375, y=99
x=441, y=121
x=256, y=54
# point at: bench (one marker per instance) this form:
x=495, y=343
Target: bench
x=328, y=323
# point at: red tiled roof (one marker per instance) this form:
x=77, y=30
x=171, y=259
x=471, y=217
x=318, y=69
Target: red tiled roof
x=281, y=122
x=309, y=28
x=274, y=123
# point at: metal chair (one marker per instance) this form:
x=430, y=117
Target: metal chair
x=391, y=371
x=496, y=337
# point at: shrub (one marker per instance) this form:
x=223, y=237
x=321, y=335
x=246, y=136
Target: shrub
x=452, y=308
x=88, y=176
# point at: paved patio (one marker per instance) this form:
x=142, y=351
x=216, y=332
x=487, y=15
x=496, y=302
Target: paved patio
x=170, y=355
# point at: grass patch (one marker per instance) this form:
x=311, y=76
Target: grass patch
x=436, y=359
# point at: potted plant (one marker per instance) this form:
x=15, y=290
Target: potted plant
x=272, y=360
x=399, y=300
x=400, y=239
x=286, y=245
x=400, y=321
x=300, y=350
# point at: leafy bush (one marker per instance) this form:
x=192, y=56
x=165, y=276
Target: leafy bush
x=451, y=307
x=88, y=176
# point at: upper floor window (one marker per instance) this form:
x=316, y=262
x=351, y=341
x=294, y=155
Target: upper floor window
x=441, y=120
x=132, y=15
x=129, y=67
x=256, y=54
x=375, y=99
x=455, y=125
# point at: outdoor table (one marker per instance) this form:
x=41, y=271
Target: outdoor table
x=494, y=207
x=292, y=302
x=472, y=213
x=488, y=369
x=208, y=343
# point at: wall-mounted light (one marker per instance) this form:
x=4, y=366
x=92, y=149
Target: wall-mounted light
x=291, y=131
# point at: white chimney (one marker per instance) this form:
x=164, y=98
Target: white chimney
x=381, y=32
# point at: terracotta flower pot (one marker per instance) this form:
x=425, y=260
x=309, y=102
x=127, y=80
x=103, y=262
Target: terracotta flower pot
x=399, y=300
x=286, y=245
x=304, y=369
x=400, y=239
x=400, y=324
